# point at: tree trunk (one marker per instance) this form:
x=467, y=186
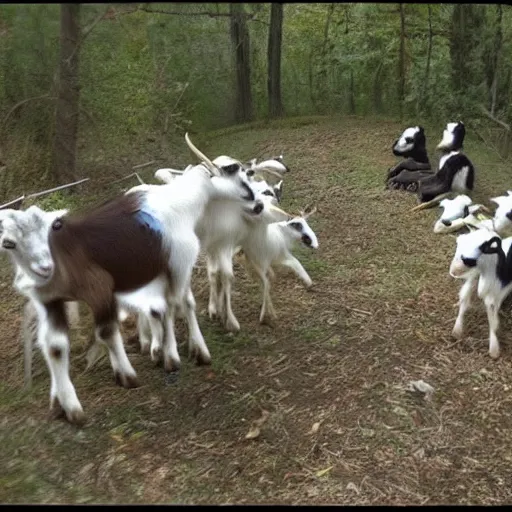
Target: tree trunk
x=424, y=94
x=497, y=52
x=352, y=94
x=401, y=61
x=66, y=113
x=275, y=36
x=241, y=47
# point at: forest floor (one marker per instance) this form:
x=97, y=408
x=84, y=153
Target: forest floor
x=328, y=382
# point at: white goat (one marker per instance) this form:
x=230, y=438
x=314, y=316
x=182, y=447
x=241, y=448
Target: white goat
x=223, y=227
x=270, y=244
x=121, y=246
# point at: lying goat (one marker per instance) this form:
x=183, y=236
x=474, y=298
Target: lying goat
x=456, y=212
x=411, y=145
x=484, y=251
x=121, y=246
x=456, y=172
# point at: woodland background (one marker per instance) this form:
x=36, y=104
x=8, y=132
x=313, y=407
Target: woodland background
x=107, y=80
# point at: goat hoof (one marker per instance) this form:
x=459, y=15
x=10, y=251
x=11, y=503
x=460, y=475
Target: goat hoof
x=75, y=416
x=494, y=353
x=56, y=411
x=144, y=348
x=267, y=320
x=457, y=333
x=203, y=359
x=156, y=354
x=171, y=365
x=126, y=381
x=232, y=326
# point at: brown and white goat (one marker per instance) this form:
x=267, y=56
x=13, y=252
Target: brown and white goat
x=120, y=246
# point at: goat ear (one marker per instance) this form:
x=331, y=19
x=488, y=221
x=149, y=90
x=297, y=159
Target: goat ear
x=278, y=190
x=492, y=246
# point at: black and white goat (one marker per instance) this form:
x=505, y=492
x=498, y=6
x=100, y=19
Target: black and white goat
x=456, y=172
x=411, y=145
x=121, y=246
x=484, y=254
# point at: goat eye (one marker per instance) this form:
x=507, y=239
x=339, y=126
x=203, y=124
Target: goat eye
x=408, y=140
x=267, y=193
x=296, y=225
x=8, y=244
x=57, y=224
x=231, y=169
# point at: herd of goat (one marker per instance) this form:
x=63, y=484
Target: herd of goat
x=136, y=252
x=483, y=255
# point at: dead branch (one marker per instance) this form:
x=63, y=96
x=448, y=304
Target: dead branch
x=143, y=165
x=15, y=203
x=22, y=102
x=490, y=116
x=55, y=189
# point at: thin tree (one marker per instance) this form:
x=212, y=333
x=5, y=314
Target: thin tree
x=401, y=61
x=275, y=37
x=242, y=56
x=68, y=95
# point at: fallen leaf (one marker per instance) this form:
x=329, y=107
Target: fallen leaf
x=351, y=486
x=315, y=427
x=323, y=472
x=253, y=433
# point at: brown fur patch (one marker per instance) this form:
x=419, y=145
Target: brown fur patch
x=107, y=250
x=55, y=352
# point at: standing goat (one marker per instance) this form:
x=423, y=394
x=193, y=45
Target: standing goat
x=270, y=244
x=121, y=246
x=484, y=251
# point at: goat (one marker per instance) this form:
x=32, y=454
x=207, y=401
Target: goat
x=270, y=244
x=502, y=220
x=412, y=146
x=455, y=211
x=485, y=251
x=221, y=231
x=456, y=172
x=121, y=246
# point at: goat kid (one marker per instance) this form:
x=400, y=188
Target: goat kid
x=270, y=244
x=484, y=254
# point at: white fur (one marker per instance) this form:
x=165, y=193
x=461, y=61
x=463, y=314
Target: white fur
x=447, y=139
x=490, y=289
x=270, y=244
x=178, y=206
x=402, y=145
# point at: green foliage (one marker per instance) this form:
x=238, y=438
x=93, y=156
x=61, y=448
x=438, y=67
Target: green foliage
x=149, y=76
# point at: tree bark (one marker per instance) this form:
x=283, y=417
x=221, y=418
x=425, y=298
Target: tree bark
x=68, y=97
x=497, y=52
x=424, y=95
x=401, y=61
x=241, y=47
x=275, y=37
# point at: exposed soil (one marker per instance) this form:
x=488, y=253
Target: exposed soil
x=327, y=382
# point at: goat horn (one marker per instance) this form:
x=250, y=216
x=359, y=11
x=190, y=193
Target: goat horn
x=278, y=210
x=269, y=171
x=209, y=164
x=307, y=212
x=430, y=204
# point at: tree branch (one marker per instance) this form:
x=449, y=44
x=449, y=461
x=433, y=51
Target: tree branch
x=203, y=13
x=22, y=102
x=490, y=116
